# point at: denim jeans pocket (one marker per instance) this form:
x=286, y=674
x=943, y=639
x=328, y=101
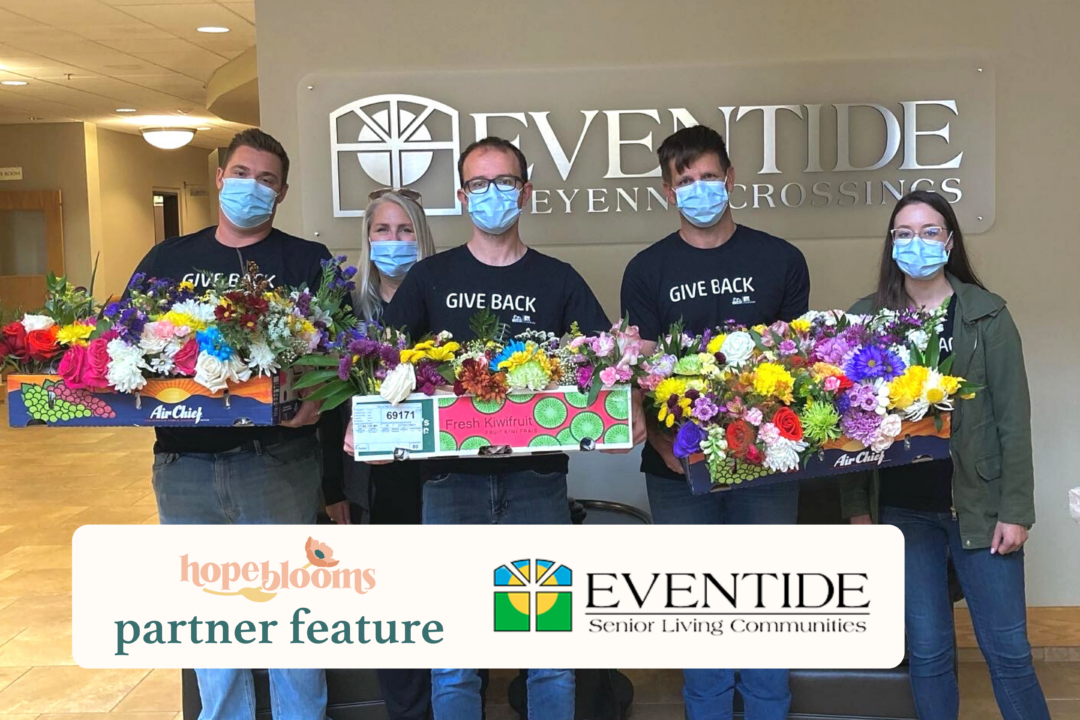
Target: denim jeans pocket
x=164, y=459
x=545, y=476
x=441, y=477
x=291, y=451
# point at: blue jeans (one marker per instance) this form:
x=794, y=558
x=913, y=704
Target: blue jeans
x=274, y=484
x=994, y=588
x=710, y=694
x=519, y=498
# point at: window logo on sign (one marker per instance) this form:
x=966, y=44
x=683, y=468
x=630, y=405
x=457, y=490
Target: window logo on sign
x=394, y=141
x=541, y=592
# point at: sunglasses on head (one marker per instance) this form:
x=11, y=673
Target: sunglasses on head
x=403, y=192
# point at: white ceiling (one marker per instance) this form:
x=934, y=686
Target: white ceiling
x=83, y=59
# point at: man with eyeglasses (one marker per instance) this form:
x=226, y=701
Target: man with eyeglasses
x=527, y=290
x=712, y=272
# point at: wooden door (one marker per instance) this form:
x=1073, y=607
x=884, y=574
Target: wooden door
x=31, y=246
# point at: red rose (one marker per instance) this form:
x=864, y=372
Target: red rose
x=4, y=351
x=15, y=339
x=740, y=437
x=787, y=422
x=41, y=344
x=845, y=383
x=73, y=367
x=96, y=370
x=186, y=357
x=753, y=455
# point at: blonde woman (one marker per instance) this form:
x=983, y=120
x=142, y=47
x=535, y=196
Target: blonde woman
x=396, y=236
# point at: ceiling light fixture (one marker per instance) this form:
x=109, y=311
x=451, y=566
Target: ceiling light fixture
x=126, y=110
x=167, y=138
x=13, y=83
x=212, y=29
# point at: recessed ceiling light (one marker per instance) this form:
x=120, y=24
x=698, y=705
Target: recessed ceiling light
x=213, y=29
x=13, y=82
x=126, y=110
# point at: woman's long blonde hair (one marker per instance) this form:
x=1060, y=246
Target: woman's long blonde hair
x=367, y=299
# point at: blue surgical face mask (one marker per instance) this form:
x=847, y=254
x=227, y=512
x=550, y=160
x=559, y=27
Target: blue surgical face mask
x=703, y=202
x=495, y=211
x=247, y=203
x=394, y=258
x=920, y=259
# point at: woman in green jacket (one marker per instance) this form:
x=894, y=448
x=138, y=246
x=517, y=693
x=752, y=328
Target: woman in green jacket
x=978, y=505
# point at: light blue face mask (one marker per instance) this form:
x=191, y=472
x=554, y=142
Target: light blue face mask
x=246, y=202
x=495, y=211
x=394, y=258
x=920, y=259
x=703, y=202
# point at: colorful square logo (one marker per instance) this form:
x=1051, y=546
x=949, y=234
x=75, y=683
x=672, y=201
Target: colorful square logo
x=533, y=597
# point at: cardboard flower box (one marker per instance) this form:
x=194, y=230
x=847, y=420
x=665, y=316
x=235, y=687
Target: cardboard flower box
x=167, y=402
x=445, y=425
x=918, y=442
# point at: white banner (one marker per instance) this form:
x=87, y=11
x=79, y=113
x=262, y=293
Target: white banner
x=492, y=597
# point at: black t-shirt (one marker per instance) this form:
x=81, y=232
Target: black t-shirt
x=753, y=278
x=538, y=292
x=926, y=486
x=283, y=260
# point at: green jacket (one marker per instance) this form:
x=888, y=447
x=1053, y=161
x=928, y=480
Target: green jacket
x=993, y=478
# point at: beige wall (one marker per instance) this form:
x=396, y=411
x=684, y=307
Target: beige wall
x=130, y=170
x=52, y=158
x=1030, y=255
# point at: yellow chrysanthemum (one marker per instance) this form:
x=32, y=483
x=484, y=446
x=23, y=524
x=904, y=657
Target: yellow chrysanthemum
x=187, y=285
x=951, y=384
x=667, y=417
x=822, y=370
x=412, y=355
x=772, y=380
x=934, y=395
x=716, y=343
x=907, y=388
x=180, y=319
x=519, y=358
x=670, y=386
x=801, y=326
x=443, y=353
x=74, y=334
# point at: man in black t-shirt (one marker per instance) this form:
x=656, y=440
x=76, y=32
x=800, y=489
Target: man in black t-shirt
x=711, y=273
x=248, y=476
x=528, y=291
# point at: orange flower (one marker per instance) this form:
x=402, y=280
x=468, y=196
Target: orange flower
x=319, y=554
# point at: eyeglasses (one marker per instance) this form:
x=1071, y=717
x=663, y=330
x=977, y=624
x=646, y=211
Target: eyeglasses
x=403, y=192
x=930, y=234
x=503, y=183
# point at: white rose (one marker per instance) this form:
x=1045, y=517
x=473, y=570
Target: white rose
x=737, y=348
x=37, y=322
x=399, y=384
x=211, y=373
x=890, y=427
x=238, y=371
x=881, y=444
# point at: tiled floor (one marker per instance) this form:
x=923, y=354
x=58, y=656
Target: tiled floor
x=53, y=481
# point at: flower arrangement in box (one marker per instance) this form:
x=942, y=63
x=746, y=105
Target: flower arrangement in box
x=161, y=328
x=762, y=400
x=371, y=359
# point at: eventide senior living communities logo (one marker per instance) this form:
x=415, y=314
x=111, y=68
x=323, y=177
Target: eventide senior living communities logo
x=239, y=578
x=515, y=610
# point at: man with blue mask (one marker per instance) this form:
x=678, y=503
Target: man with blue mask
x=259, y=475
x=527, y=290
x=709, y=273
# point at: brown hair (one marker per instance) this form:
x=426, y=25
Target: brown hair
x=891, y=290
x=494, y=143
x=258, y=140
x=687, y=145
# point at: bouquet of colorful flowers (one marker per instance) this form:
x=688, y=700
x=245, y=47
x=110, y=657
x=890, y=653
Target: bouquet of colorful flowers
x=762, y=400
x=161, y=328
x=373, y=359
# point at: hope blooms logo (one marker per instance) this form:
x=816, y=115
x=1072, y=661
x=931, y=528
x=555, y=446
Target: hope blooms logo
x=239, y=579
x=534, y=599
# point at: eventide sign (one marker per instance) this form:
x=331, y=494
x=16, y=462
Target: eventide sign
x=818, y=149
x=504, y=596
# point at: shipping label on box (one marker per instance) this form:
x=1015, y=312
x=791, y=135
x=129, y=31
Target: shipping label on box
x=918, y=442
x=445, y=425
x=168, y=402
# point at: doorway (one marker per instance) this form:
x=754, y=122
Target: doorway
x=31, y=246
x=166, y=215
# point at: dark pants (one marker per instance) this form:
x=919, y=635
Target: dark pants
x=994, y=588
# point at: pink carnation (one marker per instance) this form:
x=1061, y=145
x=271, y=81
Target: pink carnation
x=754, y=417
x=609, y=376
x=769, y=434
x=832, y=383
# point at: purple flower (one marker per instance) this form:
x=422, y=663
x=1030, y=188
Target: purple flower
x=861, y=426
x=863, y=397
x=584, y=377
x=843, y=403
x=130, y=325
x=428, y=377
x=389, y=355
x=873, y=362
x=688, y=440
x=832, y=350
x=705, y=337
x=705, y=408
x=344, y=367
x=364, y=347
x=303, y=304
x=788, y=347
